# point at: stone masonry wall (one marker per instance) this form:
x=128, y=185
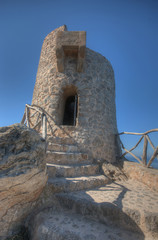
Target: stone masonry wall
x=96, y=124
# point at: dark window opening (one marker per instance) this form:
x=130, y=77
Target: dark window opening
x=70, y=112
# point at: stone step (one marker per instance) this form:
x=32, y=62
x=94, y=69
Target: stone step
x=63, y=225
x=66, y=158
x=77, y=183
x=61, y=147
x=55, y=170
x=59, y=140
x=124, y=203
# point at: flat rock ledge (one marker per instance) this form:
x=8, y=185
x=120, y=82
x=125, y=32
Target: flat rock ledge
x=63, y=225
x=22, y=175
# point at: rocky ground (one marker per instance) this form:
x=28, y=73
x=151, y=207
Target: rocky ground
x=94, y=201
x=118, y=211
x=81, y=200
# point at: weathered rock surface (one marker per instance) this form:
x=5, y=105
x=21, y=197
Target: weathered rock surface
x=147, y=176
x=113, y=171
x=22, y=175
x=127, y=203
x=63, y=225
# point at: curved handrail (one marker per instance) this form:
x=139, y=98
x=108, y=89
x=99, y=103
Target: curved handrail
x=145, y=133
x=43, y=119
x=146, y=140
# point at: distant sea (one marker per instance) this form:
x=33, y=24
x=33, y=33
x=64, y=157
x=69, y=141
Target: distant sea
x=154, y=163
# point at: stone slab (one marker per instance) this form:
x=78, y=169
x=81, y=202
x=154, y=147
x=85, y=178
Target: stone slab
x=62, y=147
x=55, y=170
x=51, y=225
x=127, y=203
x=77, y=183
x=65, y=157
x=147, y=176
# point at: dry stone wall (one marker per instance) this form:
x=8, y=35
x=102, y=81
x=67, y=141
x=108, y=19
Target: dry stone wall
x=96, y=126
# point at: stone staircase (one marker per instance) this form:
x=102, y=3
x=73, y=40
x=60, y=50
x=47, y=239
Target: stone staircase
x=85, y=205
x=69, y=169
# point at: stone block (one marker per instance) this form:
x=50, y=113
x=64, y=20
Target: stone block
x=70, y=44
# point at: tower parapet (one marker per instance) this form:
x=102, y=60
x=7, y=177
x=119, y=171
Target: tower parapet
x=71, y=44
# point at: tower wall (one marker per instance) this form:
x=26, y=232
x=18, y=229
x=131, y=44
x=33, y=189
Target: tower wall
x=96, y=126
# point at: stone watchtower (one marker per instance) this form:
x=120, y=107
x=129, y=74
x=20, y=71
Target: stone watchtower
x=76, y=86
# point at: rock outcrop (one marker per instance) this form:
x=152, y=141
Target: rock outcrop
x=147, y=176
x=22, y=175
x=113, y=171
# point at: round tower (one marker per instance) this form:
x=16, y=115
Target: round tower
x=76, y=86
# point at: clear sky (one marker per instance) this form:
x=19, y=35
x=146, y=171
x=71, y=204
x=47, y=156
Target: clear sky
x=124, y=31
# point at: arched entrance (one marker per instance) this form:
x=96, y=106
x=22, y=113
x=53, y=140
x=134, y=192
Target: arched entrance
x=70, y=111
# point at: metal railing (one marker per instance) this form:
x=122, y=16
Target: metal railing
x=147, y=140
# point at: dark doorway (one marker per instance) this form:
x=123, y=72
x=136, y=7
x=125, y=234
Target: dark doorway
x=70, y=112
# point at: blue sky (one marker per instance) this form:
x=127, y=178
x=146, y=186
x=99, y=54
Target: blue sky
x=124, y=31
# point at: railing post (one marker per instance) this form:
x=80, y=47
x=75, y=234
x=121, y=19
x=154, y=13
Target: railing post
x=153, y=157
x=144, y=157
x=44, y=126
x=24, y=117
x=27, y=117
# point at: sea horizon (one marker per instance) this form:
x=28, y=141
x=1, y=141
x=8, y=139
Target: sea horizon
x=153, y=165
